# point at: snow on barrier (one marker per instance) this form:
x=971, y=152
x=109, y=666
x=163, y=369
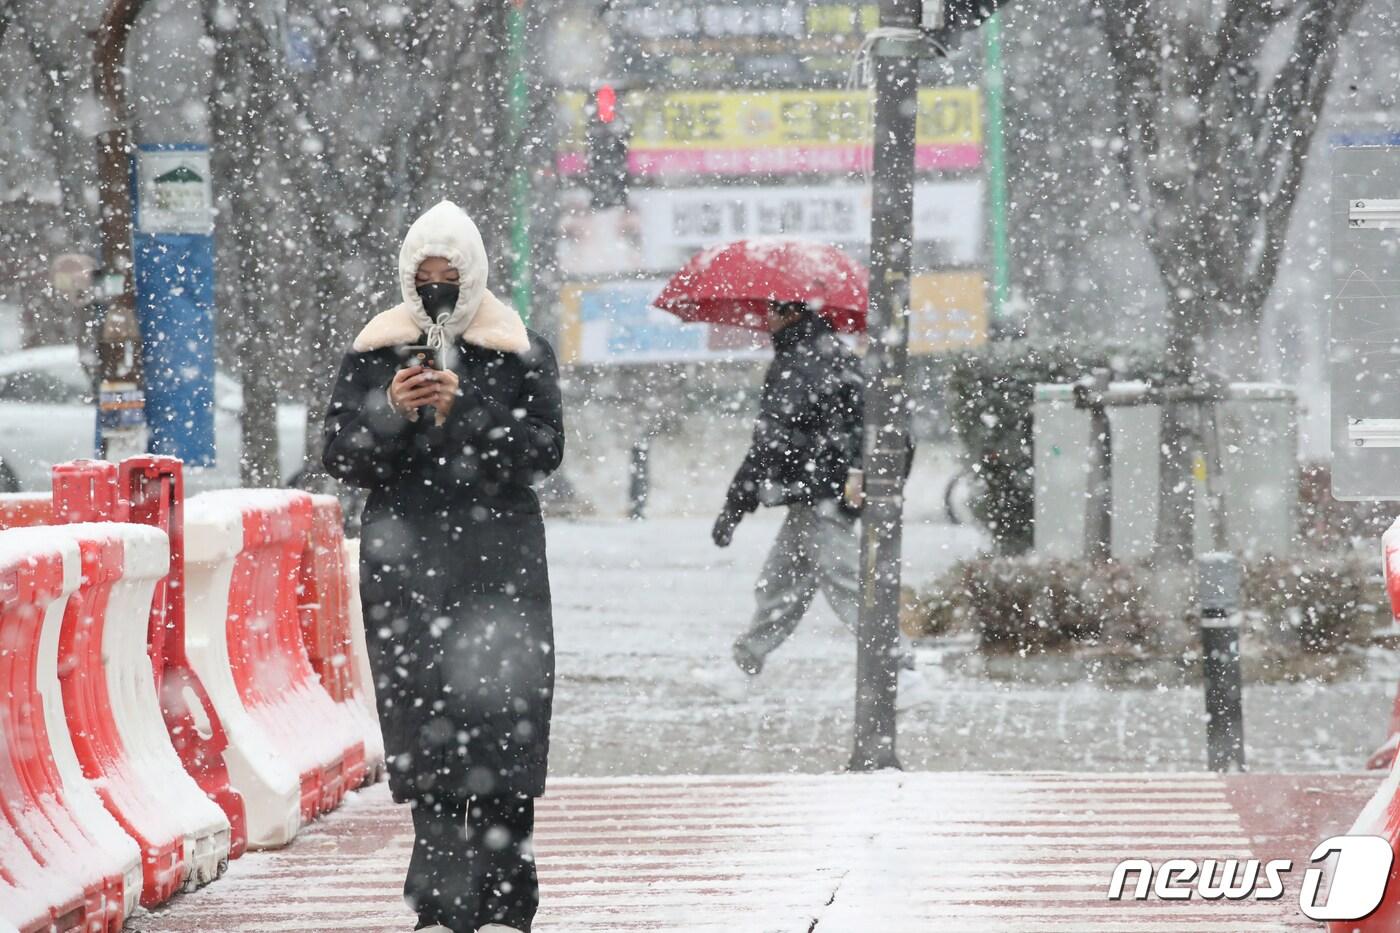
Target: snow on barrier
x=149, y=490
x=361, y=673
x=25, y=509
x=62, y=876
x=114, y=845
x=272, y=678
x=114, y=712
x=121, y=778
x=269, y=783
x=327, y=630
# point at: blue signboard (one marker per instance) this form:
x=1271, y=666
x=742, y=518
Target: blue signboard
x=172, y=237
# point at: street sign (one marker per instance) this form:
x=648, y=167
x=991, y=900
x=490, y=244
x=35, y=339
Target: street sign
x=173, y=266
x=772, y=132
x=1364, y=352
x=174, y=194
x=676, y=223
x=612, y=323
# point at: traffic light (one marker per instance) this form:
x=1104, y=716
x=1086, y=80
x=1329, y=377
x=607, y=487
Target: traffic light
x=606, y=173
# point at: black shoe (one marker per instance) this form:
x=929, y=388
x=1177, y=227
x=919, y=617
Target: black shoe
x=749, y=662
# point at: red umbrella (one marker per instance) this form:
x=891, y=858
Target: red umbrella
x=733, y=284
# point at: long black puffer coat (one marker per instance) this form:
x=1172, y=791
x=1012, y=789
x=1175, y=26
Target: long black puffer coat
x=453, y=570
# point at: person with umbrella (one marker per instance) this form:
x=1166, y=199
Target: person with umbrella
x=806, y=450
x=805, y=455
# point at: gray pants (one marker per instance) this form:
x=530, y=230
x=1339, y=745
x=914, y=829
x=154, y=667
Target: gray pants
x=817, y=548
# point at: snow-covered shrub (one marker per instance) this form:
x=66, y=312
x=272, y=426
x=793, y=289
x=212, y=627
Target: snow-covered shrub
x=1034, y=603
x=1311, y=604
x=1327, y=523
x=1319, y=603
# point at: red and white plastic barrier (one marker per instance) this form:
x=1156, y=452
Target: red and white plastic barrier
x=119, y=774
x=82, y=798
x=1384, y=756
x=361, y=674
x=61, y=874
x=113, y=709
x=329, y=628
x=245, y=549
x=25, y=509
x=1381, y=816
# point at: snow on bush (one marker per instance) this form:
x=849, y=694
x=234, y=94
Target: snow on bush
x=1313, y=604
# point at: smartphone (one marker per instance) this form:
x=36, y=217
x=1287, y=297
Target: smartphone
x=418, y=355
x=425, y=356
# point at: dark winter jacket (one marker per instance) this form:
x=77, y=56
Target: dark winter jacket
x=809, y=428
x=453, y=569
x=454, y=578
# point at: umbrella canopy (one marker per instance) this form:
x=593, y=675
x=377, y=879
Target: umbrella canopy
x=734, y=284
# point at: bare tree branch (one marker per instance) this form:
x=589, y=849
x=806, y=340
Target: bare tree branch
x=1320, y=32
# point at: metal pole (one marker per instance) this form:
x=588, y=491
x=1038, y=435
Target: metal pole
x=1092, y=394
x=886, y=415
x=1218, y=580
x=519, y=179
x=639, y=478
x=121, y=405
x=113, y=143
x=994, y=81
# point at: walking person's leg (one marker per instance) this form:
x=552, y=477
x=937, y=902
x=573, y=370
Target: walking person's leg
x=500, y=830
x=783, y=592
x=438, y=886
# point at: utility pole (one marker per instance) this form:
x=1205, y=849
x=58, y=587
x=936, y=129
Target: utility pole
x=994, y=82
x=896, y=66
x=121, y=405
x=519, y=121
x=907, y=29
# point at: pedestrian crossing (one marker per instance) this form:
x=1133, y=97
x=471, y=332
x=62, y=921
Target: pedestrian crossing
x=839, y=853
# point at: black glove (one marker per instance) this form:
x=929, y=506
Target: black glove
x=723, y=532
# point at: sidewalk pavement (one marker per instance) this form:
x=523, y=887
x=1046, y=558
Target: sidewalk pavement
x=883, y=853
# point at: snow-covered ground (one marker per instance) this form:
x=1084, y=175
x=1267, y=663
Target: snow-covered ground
x=645, y=613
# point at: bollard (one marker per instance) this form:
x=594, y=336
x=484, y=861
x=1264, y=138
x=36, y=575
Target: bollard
x=638, y=479
x=1218, y=582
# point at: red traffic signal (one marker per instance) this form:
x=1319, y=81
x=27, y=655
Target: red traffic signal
x=605, y=100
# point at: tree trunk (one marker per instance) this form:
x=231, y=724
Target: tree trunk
x=1175, y=490
x=1175, y=453
x=1233, y=350
x=329, y=342
x=237, y=111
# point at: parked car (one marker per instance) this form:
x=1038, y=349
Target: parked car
x=47, y=416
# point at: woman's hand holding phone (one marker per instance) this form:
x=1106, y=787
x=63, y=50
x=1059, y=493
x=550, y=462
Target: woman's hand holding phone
x=416, y=387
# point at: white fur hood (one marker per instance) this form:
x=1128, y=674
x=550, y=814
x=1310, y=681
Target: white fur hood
x=478, y=318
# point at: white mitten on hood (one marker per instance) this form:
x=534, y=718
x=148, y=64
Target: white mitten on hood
x=478, y=318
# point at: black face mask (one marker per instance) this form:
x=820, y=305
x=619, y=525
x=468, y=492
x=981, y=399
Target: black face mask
x=438, y=298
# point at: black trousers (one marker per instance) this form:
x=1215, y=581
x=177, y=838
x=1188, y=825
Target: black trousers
x=472, y=863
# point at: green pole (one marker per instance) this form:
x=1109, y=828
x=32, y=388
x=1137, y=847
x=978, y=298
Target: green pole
x=519, y=103
x=993, y=79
